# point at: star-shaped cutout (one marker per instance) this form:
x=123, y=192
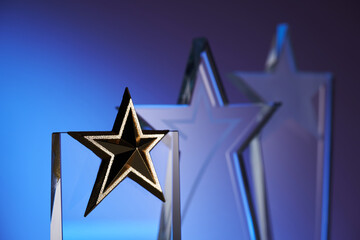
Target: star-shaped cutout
x=212, y=133
x=124, y=152
x=296, y=141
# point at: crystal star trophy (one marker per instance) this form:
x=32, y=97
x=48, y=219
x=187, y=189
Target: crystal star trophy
x=295, y=146
x=216, y=183
x=120, y=184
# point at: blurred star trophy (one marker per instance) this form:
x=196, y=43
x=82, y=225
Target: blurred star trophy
x=129, y=191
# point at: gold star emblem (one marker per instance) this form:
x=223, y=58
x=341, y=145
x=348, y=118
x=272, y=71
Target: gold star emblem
x=125, y=152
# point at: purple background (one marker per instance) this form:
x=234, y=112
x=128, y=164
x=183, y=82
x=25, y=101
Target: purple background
x=63, y=62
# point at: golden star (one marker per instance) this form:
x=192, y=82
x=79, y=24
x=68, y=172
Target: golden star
x=125, y=152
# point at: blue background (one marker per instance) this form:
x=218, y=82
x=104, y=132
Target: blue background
x=64, y=66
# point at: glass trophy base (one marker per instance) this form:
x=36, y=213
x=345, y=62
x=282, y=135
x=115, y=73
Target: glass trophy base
x=128, y=212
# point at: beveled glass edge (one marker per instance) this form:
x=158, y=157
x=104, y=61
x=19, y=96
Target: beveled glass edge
x=56, y=201
x=170, y=220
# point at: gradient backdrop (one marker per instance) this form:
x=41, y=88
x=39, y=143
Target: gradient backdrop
x=64, y=66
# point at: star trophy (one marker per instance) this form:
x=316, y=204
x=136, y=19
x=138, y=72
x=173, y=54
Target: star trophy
x=105, y=197
x=216, y=183
x=295, y=146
